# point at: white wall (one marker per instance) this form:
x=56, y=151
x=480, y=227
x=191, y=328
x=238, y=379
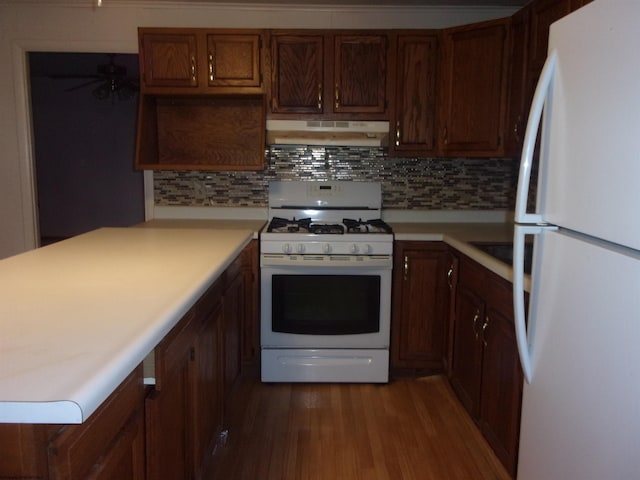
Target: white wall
x=80, y=26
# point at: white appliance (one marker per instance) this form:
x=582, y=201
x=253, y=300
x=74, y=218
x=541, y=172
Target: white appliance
x=325, y=282
x=579, y=344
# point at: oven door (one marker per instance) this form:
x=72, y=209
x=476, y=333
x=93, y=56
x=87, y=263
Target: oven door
x=324, y=301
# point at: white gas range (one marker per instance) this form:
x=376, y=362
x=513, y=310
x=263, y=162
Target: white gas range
x=326, y=259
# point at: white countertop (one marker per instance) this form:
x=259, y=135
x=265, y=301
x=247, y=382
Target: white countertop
x=459, y=236
x=78, y=316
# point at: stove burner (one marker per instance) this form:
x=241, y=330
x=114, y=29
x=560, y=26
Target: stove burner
x=319, y=228
x=284, y=225
x=368, y=226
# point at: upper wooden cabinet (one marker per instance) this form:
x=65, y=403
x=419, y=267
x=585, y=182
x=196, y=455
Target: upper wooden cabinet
x=175, y=60
x=297, y=63
x=315, y=74
x=413, y=117
x=360, y=74
x=520, y=92
x=543, y=14
x=473, y=89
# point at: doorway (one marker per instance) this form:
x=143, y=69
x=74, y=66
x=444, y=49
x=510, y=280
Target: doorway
x=84, y=143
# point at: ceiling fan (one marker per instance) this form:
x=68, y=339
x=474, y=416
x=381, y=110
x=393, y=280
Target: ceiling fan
x=110, y=80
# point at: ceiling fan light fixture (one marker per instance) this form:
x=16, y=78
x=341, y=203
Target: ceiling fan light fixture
x=102, y=92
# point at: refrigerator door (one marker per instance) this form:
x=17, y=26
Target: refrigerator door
x=581, y=411
x=590, y=152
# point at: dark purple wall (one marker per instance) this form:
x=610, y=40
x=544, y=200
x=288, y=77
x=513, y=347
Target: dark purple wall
x=84, y=147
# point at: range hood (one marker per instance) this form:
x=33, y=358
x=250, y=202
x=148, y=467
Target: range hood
x=328, y=132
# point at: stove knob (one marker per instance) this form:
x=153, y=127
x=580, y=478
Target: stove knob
x=354, y=248
x=326, y=248
x=367, y=249
x=286, y=248
x=300, y=248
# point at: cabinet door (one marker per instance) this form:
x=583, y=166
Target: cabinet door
x=297, y=84
x=109, y=444
x=167, y=407
x=519, y=99
x=543, y=14
x=501, y=387
x=360, y=74
x=466, y=368
x=205, y=422
x=420, y=306
x=249, y=333
x=415, y=114
x=169, y=59
x=233, y=60
x=169, y=450
x=473, y=89
x=233, y=315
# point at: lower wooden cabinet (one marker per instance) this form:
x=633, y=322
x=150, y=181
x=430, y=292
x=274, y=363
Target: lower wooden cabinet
x=485, y=370
x=420, y=307
x=184, y=411
x=109, y=445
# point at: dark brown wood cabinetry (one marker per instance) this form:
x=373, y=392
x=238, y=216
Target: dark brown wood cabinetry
x=110, y=444
x=316, y=74
x=422, y=273
x=473, y=89
x=413, y=120
x=297, y=68
x=189, y=61
x=201, y=105
x=184, y=411
x=250, y=333
x=485, y=370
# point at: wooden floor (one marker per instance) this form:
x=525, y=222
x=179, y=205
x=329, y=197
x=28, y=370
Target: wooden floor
x=408, y=429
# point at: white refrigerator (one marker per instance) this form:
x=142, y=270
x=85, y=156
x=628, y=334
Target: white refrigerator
x=580, y=341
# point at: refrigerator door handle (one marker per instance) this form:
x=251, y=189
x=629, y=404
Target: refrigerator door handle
x=533, y=123
x=523, y=338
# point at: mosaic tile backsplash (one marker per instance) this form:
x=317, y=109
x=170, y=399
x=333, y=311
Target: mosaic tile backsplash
x=407, y=183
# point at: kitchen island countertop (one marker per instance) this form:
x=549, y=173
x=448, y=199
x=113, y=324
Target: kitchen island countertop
x=76, y=317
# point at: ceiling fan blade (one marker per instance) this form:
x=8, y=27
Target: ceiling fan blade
x=71, y=75
x=85, y=84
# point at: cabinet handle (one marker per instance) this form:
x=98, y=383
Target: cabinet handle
x=398, y=133
x=320, y=96
x=446, y=136
x=475, y=321
x=211, y=73
x=406, y=266
x=484, y=327
x=193, y=68
x=337, y=97
x=450, y=277
x=192, y=353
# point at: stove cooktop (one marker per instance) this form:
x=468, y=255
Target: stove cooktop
x=348, y=225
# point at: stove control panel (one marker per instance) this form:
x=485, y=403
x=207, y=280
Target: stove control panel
x=326, y=248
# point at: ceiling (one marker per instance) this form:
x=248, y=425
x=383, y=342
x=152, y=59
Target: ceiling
x=434, y=3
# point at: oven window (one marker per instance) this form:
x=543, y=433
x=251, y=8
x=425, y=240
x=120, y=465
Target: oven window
x=326, y=304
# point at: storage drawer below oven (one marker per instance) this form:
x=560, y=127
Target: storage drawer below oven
x=325, y=365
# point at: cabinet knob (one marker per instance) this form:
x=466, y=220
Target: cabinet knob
x=211, y=72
